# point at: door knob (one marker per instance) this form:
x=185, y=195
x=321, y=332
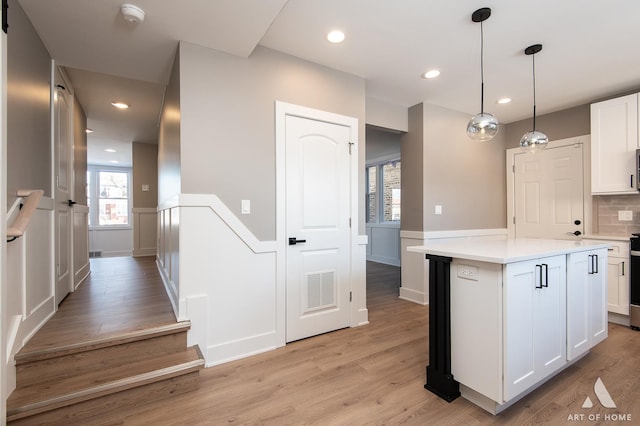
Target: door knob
x=577, y=222
x=293, y=241
x=71, y=203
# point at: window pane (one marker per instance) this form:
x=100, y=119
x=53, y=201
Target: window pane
x=113, y=203
x=371, y=193
x=113, y=212
x=113, y=185
x=391, y=188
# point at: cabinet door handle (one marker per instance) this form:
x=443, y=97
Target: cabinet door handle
x=590, y=265
x=597, y=269
x=622, y=268
x=631, y=181
x=540, y=280
x=546, y=275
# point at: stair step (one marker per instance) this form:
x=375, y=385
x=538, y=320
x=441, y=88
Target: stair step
x=25, y=355
x=54, y=369
x=83, y=396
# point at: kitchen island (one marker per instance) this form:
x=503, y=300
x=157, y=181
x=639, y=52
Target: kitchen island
x=506, y=315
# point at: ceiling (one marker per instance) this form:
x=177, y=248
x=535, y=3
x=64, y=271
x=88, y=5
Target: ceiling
x=589, y=50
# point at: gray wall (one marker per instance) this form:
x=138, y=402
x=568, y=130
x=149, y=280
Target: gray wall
x=467, y=178
x=381, y=143
x=227, y=126
x=79, y=153
x=558, y=125
x=28, y=113
x=412, y=184
x=169, y=138
x=145, y=172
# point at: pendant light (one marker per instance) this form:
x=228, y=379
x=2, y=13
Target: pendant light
x=534, y=141
x=483, y=126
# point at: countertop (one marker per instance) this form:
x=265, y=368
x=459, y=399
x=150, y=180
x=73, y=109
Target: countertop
x=503, y=251
x=607, y=237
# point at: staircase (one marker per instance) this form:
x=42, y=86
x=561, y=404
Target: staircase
x=91, y=381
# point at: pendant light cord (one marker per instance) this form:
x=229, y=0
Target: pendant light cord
x=481, y=69
x=533, y=57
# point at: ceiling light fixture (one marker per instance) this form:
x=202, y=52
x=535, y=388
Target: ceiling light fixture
x=110, y=150
x=335, y=36
x=132, y=13
x=483, y=126
x=504, y=101
x=88, y=130
x=120, y=105
x=534, y=141
x=431, y=74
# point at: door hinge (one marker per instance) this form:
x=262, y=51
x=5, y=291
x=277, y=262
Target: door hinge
x=350, y=145
x=514, y=220
x=349, y=222
x=350, y=296
x=513, y=168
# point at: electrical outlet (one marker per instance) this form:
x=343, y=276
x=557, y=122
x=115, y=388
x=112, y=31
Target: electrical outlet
x=625, y=215
x=438, y=209
x=468, y=272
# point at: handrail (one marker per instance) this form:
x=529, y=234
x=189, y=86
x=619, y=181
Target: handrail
x=26, y=211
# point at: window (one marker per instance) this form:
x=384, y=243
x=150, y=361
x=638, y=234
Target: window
x=383, y=192
x=108, y=197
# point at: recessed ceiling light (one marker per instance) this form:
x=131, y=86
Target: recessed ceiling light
x=110, y=150
x=335, y=36
x=88, y=130
x=431, y=74
x=120, y=105
x=114, y=161
x=504, y=100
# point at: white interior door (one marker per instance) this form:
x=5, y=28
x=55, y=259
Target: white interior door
x=318, y=227
x=548, y=193
x=63, y=211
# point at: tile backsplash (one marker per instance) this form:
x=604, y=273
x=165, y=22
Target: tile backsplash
x=606, y=209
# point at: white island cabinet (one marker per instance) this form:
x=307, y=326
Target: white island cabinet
x=519, y=311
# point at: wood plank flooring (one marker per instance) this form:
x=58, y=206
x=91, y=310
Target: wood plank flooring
x=375, y=375
x=121, y=295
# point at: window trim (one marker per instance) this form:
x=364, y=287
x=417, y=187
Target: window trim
x=94, y=196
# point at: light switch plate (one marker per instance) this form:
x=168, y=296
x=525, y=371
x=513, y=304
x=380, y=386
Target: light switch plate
x=246, y=207
x=145, y=188
x=438, y=209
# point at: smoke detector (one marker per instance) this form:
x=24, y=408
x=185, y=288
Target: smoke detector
x=132, y=13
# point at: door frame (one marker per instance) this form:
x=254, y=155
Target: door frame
x=282, y=110
x=585, y=141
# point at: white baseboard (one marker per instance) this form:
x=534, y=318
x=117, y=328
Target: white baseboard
x=413, y=296
x=242, y=348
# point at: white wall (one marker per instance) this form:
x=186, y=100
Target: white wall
x=111, y=242
x=31, y=296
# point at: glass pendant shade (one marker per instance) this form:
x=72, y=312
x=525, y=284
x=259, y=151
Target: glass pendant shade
x=534, y=141
x=482, y=127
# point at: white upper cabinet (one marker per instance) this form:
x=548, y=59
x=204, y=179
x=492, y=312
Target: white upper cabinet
x=614, y=140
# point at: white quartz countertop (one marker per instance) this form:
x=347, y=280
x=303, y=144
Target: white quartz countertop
x=503, y=250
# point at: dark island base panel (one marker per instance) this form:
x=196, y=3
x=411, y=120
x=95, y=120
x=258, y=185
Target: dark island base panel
x=440, y=381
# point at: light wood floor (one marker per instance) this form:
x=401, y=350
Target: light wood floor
x=375, y=375
x=121, y=294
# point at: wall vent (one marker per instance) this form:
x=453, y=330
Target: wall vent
x=96, y=253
